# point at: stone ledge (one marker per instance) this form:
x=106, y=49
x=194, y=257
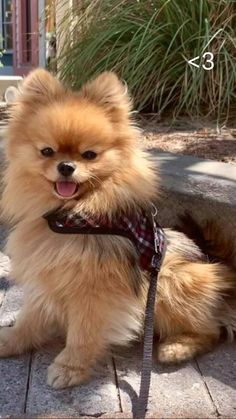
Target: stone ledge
x=203, y=179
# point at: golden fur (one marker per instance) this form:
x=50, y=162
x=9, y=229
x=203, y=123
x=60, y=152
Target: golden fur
x=89, y=287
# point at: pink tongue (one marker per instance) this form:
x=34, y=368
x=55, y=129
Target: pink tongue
x=66, y=188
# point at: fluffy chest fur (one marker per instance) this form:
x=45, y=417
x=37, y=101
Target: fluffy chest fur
x=33, y=246
x=81, y=270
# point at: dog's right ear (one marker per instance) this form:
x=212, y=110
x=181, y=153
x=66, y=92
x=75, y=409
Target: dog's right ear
x=40, y=87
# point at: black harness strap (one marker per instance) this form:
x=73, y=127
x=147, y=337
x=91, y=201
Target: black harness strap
x=57, y=222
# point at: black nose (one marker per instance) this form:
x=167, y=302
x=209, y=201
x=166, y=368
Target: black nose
x=66, y=168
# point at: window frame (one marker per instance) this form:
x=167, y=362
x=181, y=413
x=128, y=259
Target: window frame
x=2, y=23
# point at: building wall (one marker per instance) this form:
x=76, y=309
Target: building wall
x=28, y=37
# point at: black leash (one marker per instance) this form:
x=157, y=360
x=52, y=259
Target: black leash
x=145, y=381
x=140, y=409
x=58, y=222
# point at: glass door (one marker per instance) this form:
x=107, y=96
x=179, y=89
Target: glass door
x=7, y=18
x=6, y=37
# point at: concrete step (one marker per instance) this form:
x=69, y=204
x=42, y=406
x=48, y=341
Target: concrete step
x=199, y=178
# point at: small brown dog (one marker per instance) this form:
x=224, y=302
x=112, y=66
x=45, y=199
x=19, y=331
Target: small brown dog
x=79, y=151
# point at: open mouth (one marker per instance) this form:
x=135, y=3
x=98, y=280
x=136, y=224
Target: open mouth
x=66, y=189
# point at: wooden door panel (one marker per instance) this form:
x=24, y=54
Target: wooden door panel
x=25, y=36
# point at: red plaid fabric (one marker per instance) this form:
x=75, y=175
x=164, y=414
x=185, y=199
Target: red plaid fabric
x=148, y=237
x=141, y=228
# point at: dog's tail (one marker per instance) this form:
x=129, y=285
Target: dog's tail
x=216, y=243
x=219, y=246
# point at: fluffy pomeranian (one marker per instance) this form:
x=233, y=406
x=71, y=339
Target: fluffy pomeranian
x=80, y=151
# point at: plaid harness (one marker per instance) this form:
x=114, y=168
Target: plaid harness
x=141, y=228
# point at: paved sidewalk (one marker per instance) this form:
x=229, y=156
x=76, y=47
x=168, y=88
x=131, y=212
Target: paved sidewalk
x=204, y=388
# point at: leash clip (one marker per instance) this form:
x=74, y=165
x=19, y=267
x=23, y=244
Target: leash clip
x=156, y=236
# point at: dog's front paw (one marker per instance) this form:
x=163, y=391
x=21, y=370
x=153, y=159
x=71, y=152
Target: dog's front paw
x=174, y=353
x=62, y=376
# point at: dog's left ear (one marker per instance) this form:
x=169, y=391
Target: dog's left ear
x=40, y=87
x=110, y=93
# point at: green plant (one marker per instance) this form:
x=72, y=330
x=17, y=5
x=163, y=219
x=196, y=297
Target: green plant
x=148, y=43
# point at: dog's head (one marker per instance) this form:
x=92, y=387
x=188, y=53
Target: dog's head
x=75, y=149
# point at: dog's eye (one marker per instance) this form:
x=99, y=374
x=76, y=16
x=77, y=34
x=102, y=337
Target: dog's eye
x=89, y=155
x=47, y=152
